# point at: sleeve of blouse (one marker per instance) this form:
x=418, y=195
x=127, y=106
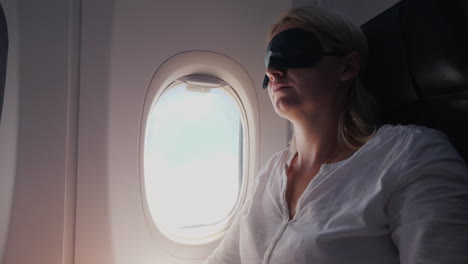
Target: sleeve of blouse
x=428, y=214
x=227, y=251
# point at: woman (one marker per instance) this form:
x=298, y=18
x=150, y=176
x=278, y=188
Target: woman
x=345, y=191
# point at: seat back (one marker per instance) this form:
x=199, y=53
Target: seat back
x=418, y=66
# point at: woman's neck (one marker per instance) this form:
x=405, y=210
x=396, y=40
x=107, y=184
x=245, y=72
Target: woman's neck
x=318, y=141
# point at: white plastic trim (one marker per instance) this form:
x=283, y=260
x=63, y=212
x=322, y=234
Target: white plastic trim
x=230, y=71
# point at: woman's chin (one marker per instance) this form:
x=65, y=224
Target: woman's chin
x=285, y=107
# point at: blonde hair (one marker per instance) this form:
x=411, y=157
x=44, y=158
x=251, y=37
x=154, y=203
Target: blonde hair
x=358, y=123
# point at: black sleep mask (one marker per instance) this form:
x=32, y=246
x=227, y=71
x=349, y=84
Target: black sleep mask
x=294, y=48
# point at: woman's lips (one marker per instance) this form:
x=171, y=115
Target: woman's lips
x=277, y=88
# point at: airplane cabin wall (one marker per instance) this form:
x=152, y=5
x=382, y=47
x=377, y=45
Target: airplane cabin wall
x=107, y=51
x=123, y=45
x=44, y=45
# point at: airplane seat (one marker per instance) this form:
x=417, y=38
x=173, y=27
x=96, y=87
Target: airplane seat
x=418, y=66
x=3, y=56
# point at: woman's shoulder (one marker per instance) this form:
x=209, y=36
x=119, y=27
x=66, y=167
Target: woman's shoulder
x=416, y=153
x=422, y=147
x=409, y=132
x=273, y=166
x=278, y=160
x=401, y=144
x=408, y=137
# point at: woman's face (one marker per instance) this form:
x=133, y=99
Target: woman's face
x=304, y=91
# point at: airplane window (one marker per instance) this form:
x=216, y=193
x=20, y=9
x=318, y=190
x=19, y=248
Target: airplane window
x=193, y=158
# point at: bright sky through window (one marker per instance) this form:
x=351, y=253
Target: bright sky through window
x=191, y=163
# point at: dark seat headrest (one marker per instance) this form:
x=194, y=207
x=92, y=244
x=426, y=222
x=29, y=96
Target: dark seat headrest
x=418, y=65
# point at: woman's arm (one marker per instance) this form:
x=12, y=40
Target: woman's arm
x=428, y=214
x=228, y=250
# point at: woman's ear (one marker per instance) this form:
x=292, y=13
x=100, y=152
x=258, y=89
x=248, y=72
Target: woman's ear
x=351, y=66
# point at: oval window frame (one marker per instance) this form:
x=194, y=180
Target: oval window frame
x=224, y=68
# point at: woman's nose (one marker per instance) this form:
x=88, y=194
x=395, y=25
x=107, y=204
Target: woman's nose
x=274, y=74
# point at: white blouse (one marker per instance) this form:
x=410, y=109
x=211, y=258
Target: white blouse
x=401, y=198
